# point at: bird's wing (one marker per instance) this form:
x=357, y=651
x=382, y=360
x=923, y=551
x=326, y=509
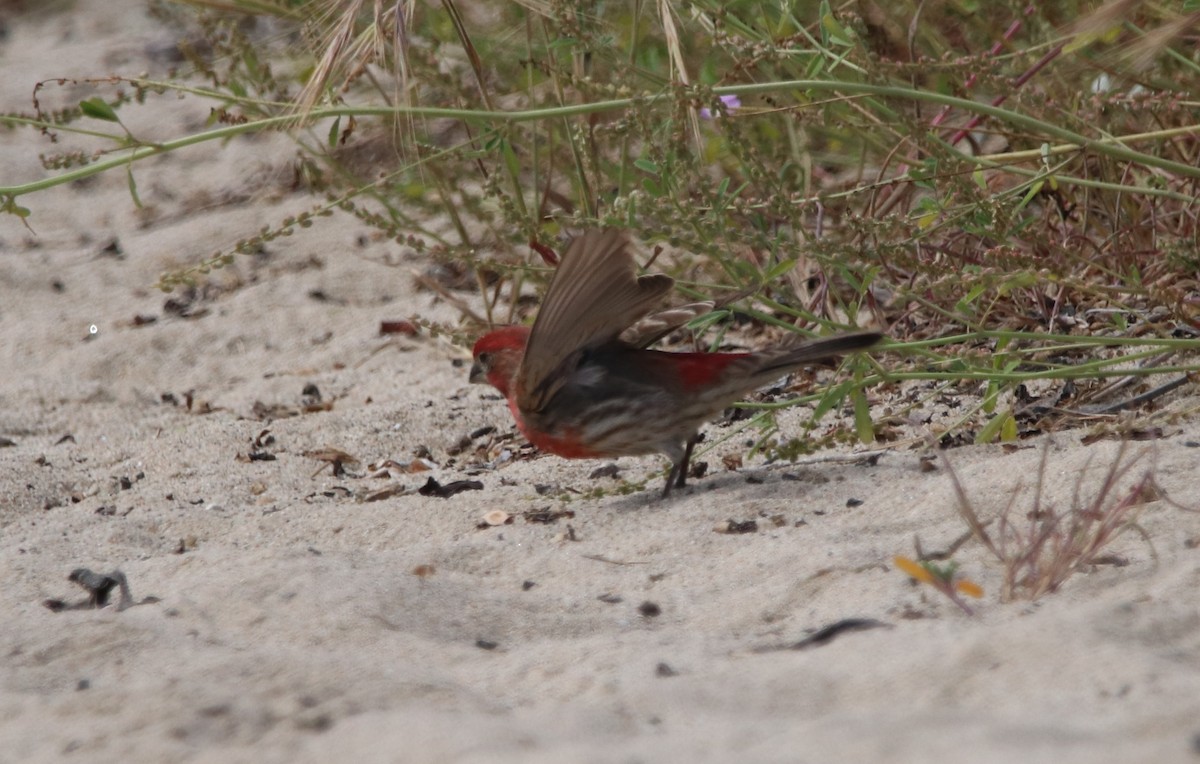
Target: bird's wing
x=659, y=324
x=593, y=296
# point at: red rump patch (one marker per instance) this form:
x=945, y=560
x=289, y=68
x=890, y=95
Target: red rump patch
x=699, y=370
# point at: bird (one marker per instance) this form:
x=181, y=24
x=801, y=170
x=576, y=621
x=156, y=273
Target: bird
x=581, y=383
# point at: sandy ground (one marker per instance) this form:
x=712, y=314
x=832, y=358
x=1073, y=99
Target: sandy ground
x=288, y=620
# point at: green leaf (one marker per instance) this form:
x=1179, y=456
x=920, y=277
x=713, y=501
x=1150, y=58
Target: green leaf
x=996, y=428
x=250, y=59
x=491, y=140
x=1020, y=280
x=1008, y=432
x=719, y=202
x=652, y=188
x=510, y=158
x=776, y=271
x=98, y=108
x=815, y=67
x=645, y=165
x=963, y=306
x=831, y=30
x=333, y=132
x=991, y=396
x=1034, y=189
x=862, y=416
x=133, y=185
x=923, y=176
x=700, y=323
x=831, y=399
x=10, y=206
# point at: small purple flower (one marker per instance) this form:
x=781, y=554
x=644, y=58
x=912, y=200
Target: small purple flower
x=732, y=103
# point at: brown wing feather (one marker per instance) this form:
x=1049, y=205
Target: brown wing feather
x=593, y=296
x=657, y=325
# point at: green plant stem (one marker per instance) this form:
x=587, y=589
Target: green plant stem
x=1113, y=148
x=1069, y=341
x=1074, y=372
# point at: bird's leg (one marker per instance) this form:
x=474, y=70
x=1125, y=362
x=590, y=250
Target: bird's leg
x=687, y=458
x=670, y=481
x=677, y=477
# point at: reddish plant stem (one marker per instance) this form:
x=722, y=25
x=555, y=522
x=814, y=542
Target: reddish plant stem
x=1025, y=77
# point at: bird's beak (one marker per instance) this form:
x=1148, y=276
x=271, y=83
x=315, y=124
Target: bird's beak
x=478, y=375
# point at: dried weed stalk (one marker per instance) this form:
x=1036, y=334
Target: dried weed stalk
x=1045, y=546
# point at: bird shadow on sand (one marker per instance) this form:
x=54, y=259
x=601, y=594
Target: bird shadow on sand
x=778, y=482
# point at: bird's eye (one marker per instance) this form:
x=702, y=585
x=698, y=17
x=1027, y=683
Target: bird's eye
x=484, y=359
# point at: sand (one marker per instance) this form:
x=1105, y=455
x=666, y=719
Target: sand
x=283, y=618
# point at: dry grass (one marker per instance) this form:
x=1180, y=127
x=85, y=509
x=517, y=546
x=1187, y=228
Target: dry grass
x=1040, y=546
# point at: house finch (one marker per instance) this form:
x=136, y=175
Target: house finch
x=581, y=384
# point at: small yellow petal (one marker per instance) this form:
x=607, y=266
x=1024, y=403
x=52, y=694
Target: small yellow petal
x=969, y=588
x=913, y=569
